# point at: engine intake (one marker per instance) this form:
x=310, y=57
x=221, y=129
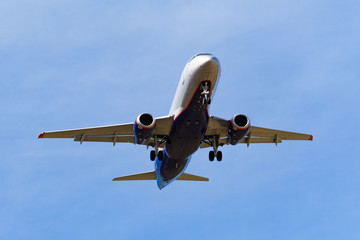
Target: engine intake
x=238, y=128
x=143, y=127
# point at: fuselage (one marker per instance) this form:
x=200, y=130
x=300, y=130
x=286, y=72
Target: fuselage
x=190, y=110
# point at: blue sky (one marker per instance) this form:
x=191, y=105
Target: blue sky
x=287, y=65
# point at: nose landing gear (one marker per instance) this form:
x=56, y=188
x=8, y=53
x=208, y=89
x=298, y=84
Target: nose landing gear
x=205, y=86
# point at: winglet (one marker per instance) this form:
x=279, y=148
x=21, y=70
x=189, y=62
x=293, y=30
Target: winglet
x=310, y=138
x=41, y=135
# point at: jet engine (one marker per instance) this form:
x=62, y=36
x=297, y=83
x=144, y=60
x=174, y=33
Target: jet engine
x=239, y=126
x=143, y=127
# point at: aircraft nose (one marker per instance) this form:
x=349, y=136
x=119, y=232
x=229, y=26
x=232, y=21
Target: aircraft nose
x=209, y=65
x=205, y=60
x=210, y=62
x=204, y=66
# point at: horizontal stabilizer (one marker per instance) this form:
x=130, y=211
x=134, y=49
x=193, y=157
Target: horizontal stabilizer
x=152, y=176
x=190, y=177
x=139, y=176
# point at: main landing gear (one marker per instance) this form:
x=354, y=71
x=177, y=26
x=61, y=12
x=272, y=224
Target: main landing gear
x=160, y=155
x=215, y=154
x=212, y=156
x=156, y=152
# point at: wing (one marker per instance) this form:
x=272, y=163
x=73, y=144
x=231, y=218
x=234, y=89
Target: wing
x=113, y=133
x=219, y=128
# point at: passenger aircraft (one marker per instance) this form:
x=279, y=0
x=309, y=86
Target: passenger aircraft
x=187, y=128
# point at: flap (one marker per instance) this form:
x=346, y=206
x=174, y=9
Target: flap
x=272, y=133
x=225, y=141
x=118, y=139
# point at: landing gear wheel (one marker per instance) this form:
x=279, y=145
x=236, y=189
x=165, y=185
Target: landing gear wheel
x=152, y=155
x=219, y=156
x=160, y=155
x=211, y=156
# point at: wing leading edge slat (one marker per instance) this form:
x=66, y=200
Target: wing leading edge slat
x=119, y=139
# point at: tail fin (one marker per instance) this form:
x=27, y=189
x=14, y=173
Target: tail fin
x=139, y=176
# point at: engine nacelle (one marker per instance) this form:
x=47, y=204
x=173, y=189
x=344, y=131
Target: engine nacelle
x=238, y=128
x=143, y=127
